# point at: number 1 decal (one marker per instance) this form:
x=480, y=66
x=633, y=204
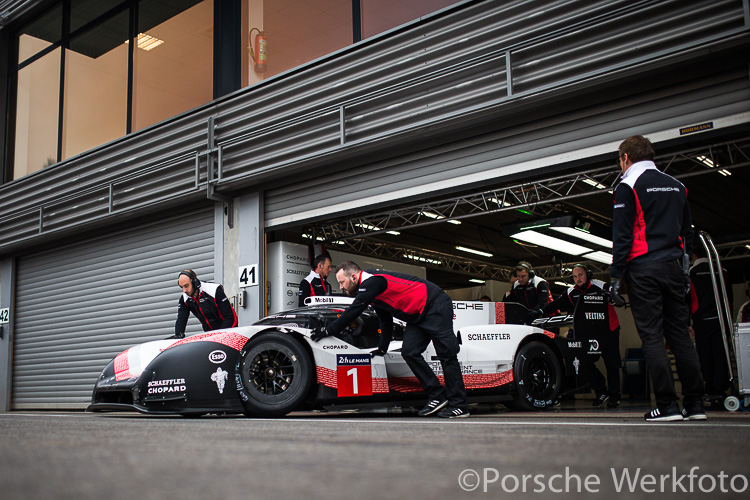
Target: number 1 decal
x=354, y=375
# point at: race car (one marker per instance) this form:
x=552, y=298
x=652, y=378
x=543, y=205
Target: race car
x=273, y=368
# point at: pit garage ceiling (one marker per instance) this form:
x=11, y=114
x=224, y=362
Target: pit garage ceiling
x=715, y=168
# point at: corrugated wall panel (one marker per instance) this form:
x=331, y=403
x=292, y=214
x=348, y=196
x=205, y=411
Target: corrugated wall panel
x=80, y=305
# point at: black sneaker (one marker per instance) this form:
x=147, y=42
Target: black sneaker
x=599, y=401
x=453, y=413
x=694, y=411
x=613, y=402
x=668, y=414
x=432, y=407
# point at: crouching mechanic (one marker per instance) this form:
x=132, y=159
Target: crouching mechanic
x=428, y=313
x=207, y=301
x=599, y=321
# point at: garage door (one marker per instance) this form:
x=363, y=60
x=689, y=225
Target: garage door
x=79, y=305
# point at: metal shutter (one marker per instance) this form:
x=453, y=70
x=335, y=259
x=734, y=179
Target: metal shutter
x=79, y=305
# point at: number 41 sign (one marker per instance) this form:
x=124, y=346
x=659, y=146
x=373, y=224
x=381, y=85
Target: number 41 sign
x=249, y=275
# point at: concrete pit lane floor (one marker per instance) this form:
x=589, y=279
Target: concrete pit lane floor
x=572, y=451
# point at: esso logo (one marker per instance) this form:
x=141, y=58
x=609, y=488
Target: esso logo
x=217, y=356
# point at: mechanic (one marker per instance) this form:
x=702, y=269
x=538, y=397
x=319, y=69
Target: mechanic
x=428, y=313
x=529, y=289
x=600, y=322
x=207, y=301
x=316, y=283
x=652, y=237
x=706, y=326
x=743, y=316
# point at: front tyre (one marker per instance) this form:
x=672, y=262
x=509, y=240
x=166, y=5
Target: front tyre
x=538, y=377
x=273, y=375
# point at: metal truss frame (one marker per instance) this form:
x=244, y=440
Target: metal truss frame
x=539, y=197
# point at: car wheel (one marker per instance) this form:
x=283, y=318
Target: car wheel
x=538, y=377
x=273, y=375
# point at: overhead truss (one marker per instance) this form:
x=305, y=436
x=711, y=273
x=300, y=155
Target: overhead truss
x=538, y=197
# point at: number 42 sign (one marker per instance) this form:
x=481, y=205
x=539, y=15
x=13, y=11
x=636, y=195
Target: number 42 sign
x=248, y=275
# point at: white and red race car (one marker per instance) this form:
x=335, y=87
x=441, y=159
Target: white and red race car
x=272, y=368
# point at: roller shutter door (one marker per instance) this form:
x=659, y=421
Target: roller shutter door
x=79, y=305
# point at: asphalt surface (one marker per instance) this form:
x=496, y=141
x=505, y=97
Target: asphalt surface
x=374, y=454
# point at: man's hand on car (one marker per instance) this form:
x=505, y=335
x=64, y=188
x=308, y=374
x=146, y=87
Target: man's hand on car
x=534, y=314
x=378, y=352
x=319, y=333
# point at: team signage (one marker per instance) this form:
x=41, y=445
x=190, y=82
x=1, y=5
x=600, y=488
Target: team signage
x=354, y=374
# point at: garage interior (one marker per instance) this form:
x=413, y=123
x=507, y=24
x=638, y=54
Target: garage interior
x=439, y=233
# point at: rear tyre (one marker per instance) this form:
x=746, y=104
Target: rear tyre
x=538, y=377
x=273, y=374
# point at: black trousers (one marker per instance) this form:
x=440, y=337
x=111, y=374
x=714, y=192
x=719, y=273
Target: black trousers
x=610, y=347
x=712, y=355
x=436, y=326
x=660, y=311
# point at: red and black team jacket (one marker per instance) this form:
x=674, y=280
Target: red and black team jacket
x=651, y=221
x=589, y=301
x=535, y=294
x=211, y=307
x=312, y=285
x=702, y=299
x=393, y=295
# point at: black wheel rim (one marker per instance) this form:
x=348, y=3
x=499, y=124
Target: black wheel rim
x=539, y=376
x=271, y=372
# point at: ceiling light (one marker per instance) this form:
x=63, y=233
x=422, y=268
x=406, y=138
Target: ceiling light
x=146, y=42
x=368, y=227
x=498, y=202
x=706, y=161
x=423, y=259
x=551, y=242
x=584, y=235
x=562, y=283
x=592, y=182
x=394, y=233
x=725, y=172
x=474, y=280
x=471, y=250
x=603, y=257
x=438, y=217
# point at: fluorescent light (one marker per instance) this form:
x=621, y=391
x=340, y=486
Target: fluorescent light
x=368, y=227
x=584, y=235
x=603, y=257
x=423, y=259
x=474, y=280
x=438, y=217
x=547, y=224
x=592, y=182
x=394, y=233
x=706, y=161
x=562, y=283
x=550, y=242
x=498, y=202
x=146, y=42
x=471, y=250
x=725, y=172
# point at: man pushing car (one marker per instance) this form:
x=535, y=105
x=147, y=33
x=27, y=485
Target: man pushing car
x=428, y=313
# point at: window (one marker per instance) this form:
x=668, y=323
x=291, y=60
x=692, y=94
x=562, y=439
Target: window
x=381, y=15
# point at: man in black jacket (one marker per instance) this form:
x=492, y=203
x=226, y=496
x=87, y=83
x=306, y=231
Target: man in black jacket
x=207, y=301
x=428, y=313
x=652, y=235
x=316, y=283
x=528, y=289
x=596, y=319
